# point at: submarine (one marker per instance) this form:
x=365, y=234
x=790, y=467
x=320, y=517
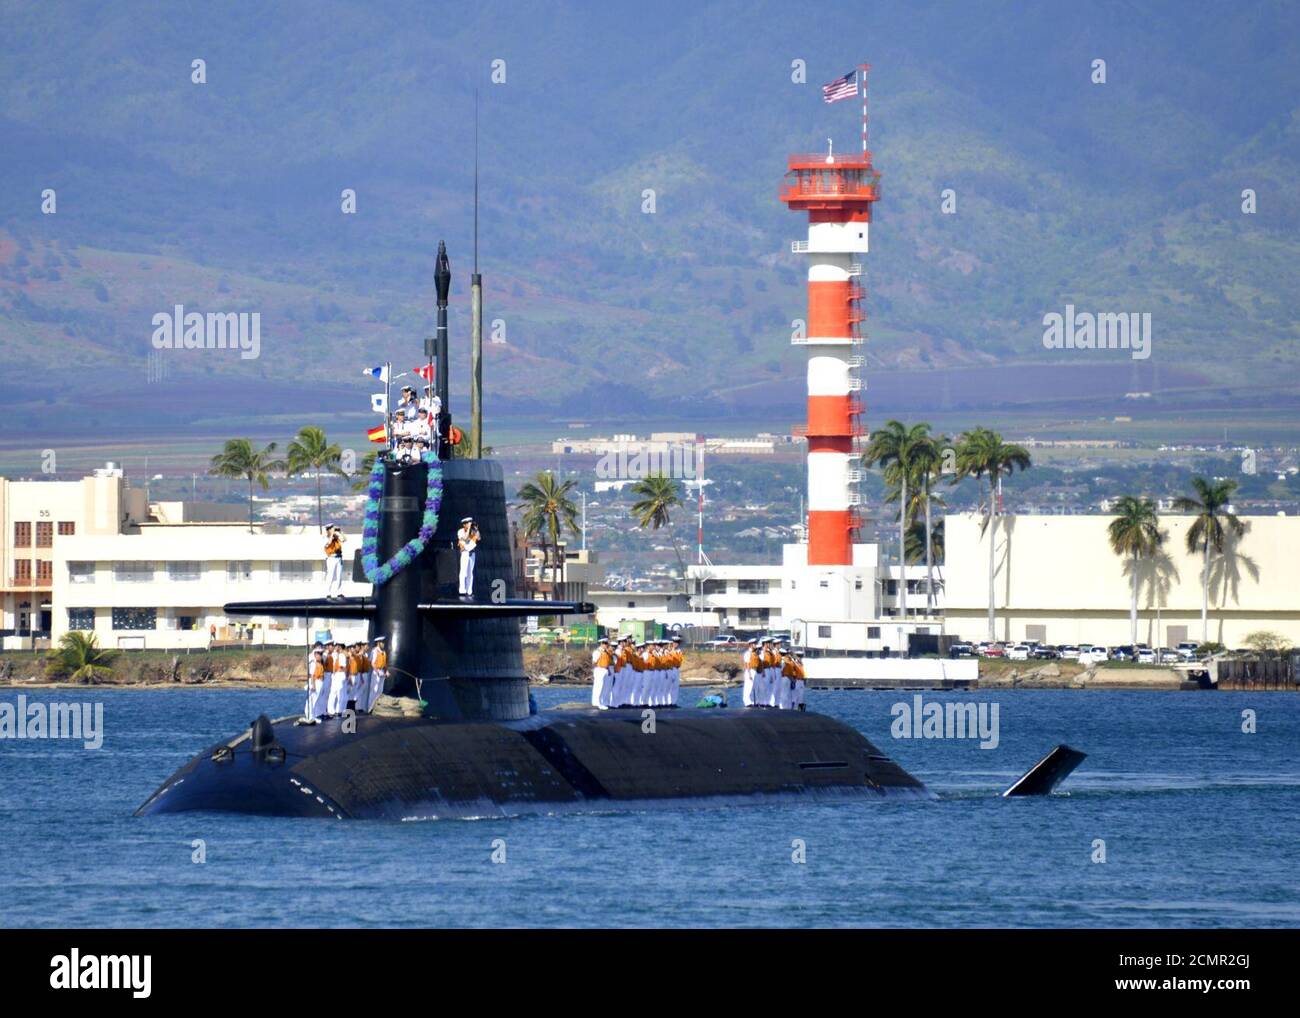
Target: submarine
x=456, y=734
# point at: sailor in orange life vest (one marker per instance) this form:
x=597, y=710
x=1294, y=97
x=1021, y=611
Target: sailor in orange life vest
x=602, y=675
x=334, y=562
x=378, y=672
x=467, y=539
x=749, y=664
x=315, y=685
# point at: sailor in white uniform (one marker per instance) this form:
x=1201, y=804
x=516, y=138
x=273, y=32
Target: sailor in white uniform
x=749, y=665
x=315, y=683
x=467, y=539
x=623, y=673
x=334, y=540
x=431, y=415
x=378, y=671
x=772, y=656
x=602, y=682
x=336, y=666
x=676, y=686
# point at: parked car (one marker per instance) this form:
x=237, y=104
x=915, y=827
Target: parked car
x=1187, y=649
x=1068, y=652
x=991, y=650
x=1018, y=652
x=723, y=642
x=1122, y=653
x=1042, y=653
x=1146, y=656
x=1167, y=656
x=961, y=650
x=1092, y=655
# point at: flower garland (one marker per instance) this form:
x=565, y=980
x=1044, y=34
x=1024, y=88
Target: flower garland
x=375, y=572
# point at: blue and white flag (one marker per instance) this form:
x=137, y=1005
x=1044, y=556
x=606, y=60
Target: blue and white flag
x=380, y=372
x=379, y=402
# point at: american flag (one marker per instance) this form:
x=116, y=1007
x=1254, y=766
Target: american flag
x=841, y=88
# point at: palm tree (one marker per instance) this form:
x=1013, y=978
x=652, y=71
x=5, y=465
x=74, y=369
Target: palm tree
x=547, y=510
x=927, y=463
x=982, y=453
x=917, y=544
x=239, y=459
x=311, y=450
x=1135, y=532
x=895, y=447
x=657, y=496
x=80, y=658
x=1213, y=523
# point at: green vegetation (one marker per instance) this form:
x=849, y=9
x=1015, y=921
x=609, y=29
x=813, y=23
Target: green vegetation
x=311, y=450
x=548, y=509
x=656, y=496
x=981, y=453
x=240, y=459
x=79, y=658
x=1135, y=533
x=1211, y=530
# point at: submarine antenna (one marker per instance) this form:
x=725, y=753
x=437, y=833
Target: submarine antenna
x=476, y=324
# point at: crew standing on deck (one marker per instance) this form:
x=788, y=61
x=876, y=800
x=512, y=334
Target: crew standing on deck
x=334, y=540
x=800, y=682
x=602, y=661
x=337, y=665
x=749, y=664
x=785, y=698
x=378, y=672
x=678, y=658
x=467, y=539
x=361, y=692
x=315, y=684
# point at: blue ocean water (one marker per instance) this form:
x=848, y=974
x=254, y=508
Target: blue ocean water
x=1201, y=825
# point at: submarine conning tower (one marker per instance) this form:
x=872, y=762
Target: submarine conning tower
x=461, y=656
x=464, y=662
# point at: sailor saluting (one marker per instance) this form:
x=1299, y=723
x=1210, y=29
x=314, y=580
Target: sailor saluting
x=334, y=540
x=467, y=540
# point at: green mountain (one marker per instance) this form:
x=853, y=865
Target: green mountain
x=226, y=196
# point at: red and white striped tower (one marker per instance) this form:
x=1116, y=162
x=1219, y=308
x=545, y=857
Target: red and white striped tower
x=837, y=193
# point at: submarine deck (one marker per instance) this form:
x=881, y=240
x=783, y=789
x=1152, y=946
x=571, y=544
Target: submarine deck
x=406, y=768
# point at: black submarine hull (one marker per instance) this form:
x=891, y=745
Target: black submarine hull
x=394, y=768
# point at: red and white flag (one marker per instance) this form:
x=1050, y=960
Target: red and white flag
x=841, y=88
x=425, y=371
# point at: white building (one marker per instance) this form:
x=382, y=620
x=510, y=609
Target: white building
x=1057, y=580
x=162, y=585
x=95, y=555
x=843, y=608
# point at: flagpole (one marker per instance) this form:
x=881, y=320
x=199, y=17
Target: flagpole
x=862, y=75
x=388, y=398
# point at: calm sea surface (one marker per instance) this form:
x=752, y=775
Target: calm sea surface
x=1201, y=825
